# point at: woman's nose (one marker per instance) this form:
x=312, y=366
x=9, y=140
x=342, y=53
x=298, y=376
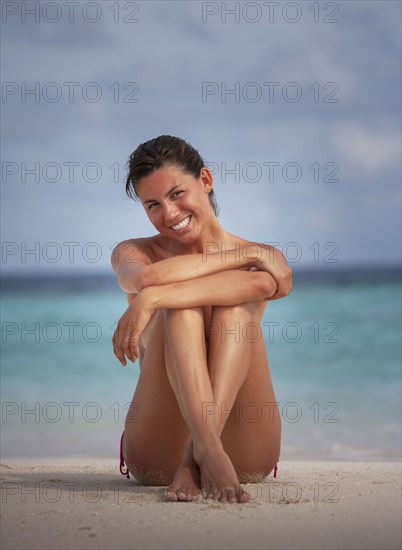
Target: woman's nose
x=170, y=212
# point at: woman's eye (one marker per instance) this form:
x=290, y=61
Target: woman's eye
x=151, y=206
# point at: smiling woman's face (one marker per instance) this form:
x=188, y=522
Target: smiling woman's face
x=176, y=203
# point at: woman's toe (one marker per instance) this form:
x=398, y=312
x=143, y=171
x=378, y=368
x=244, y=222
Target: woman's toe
x=171, y=494
x=244, y=497
x=182, y=495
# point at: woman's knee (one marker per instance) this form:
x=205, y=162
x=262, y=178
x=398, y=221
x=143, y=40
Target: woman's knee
x=190, y=314
x=239, y=317
x=241, y=321
x=189, y=321
x=248, y=310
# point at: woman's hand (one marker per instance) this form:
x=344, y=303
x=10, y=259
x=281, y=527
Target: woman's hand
x=274, y=262
x=130, y=327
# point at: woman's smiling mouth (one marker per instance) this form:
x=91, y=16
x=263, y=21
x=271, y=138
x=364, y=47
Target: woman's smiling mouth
x=183, y=224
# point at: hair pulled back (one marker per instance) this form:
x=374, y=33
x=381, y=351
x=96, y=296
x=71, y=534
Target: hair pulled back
x=162, y=152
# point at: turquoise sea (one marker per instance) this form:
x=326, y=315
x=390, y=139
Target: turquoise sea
x=334, y=350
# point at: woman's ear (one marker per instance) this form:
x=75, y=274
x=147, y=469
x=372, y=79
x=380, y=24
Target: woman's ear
x=206, y=179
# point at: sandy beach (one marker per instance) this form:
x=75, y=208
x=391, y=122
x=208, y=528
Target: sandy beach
x=80, y=504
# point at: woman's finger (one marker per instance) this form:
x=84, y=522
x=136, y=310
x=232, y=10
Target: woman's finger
x=125, y=335
x=117, y=348
x=133, y=346
x=129, y=345
x=133, y=335
x=120, y=356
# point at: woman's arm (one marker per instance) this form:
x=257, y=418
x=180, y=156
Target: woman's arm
x=227, y=288
x=135, y=271
x=220, y=289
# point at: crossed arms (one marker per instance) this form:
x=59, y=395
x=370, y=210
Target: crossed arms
x=251, y=272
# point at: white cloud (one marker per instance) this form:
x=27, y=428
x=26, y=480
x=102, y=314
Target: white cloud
x=367, y=149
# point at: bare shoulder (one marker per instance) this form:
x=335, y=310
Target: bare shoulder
x=134, y=250
x=129, y=258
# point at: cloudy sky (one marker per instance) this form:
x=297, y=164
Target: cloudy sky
x=295, y=107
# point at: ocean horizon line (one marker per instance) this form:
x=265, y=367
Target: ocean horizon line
x=84, y=281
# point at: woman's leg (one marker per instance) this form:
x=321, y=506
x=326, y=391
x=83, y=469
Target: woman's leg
x=187, y=369
x=156, y=434
x=252, y=432
x=236, y=361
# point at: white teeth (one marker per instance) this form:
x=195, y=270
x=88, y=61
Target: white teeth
x=182, y=224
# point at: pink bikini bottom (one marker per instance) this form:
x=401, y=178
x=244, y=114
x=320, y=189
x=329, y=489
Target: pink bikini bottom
x=126, y=473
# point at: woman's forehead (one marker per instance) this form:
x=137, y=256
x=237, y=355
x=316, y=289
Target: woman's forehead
x=161, y=181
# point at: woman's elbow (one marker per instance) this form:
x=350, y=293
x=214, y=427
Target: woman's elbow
x=144, y=279
x=134, y=283
x=266, y=284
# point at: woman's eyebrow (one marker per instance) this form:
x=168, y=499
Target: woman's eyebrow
x=168, y=193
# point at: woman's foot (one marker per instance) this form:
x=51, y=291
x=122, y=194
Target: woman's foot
x=186, y=484
x=218, y=476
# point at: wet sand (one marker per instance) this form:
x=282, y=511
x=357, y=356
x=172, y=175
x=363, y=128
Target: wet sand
x=81, y=503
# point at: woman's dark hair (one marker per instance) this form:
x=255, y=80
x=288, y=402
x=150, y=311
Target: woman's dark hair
x=162, y=152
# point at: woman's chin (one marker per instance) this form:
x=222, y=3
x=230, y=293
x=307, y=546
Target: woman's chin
x=187, y=234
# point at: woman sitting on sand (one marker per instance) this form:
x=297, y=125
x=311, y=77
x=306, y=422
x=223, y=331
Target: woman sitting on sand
x=203, y=418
